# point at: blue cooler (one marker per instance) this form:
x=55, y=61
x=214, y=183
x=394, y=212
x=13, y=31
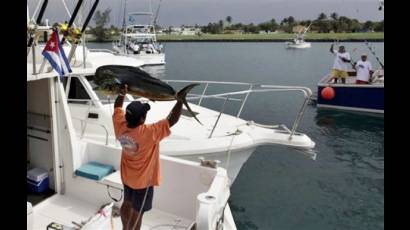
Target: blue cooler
x=37, y=180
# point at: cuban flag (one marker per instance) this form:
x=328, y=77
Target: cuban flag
x=54, y=53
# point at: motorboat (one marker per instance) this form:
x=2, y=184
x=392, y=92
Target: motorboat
x=224, y=137
x=354, y=97
x=299, y=41
x=139, y=40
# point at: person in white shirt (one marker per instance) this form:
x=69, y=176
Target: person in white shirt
x=152, y=48
x=340, y=65
x=364, y=70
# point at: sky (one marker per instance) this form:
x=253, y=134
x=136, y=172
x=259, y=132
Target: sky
x=191, y=12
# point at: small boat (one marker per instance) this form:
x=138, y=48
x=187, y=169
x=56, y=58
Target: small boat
x=299, y=42
x=140, y=41
x=352, y=96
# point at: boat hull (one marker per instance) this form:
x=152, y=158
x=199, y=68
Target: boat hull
x=298, y=46
x=147, y=59
x=237, y=159
x=364, y=98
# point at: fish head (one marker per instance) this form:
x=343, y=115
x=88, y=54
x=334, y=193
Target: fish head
x=106, y=79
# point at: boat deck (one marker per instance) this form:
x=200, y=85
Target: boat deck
x=64, y=209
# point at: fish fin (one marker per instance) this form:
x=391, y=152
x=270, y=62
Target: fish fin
x=182, y=96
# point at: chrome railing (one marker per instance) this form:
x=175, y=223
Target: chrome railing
x=84, y=124
x=252, y=88
x=102, y=50
x=230, y=96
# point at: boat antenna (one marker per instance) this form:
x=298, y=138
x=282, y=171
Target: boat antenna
x=123, y=20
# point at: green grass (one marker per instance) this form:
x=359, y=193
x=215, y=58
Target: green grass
x=273, y=37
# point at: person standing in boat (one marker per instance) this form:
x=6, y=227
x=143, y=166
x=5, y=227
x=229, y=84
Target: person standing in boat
x=364, y=70
x=340, y=65
x=140, y=162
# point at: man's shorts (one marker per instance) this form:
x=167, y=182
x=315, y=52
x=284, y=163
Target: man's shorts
x=338, y=73
x=136, y=197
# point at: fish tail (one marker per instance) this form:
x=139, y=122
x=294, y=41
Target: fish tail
x=182, y=96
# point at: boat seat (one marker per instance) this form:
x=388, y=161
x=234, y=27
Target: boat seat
x=94, y=170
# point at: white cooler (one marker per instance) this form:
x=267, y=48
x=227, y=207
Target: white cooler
x=30, y=218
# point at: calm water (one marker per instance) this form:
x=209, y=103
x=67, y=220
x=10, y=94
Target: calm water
x=279, y=188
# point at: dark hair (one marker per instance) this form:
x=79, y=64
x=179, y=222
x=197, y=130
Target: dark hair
x=135, y=111
x=133, y=121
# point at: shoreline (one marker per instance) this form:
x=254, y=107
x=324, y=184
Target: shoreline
x=279, y=37
x=253, y=40
x=267, y=40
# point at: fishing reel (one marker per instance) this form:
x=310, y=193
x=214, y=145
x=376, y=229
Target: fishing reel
x=31, y=27
x=71, y=34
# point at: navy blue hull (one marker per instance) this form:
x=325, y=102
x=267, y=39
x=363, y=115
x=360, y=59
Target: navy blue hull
x=355, y=98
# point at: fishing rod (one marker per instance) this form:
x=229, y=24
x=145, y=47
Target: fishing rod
x=38, y=21
x=78, y=34
x=374, y=53
x=65, y=27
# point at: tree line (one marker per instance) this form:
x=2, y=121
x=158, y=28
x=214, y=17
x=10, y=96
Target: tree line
x=322, y=24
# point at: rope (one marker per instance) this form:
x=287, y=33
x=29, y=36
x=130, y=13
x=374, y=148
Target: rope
x=109, y=194
x=237, y=132
x=145, y=196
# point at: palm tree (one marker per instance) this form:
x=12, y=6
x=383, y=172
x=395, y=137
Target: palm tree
x=322, y=16
x=291, y=19
x=229, y=19
x=221, y=25
x=334, y=16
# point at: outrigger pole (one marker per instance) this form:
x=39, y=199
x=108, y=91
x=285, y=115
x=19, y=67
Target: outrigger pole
x=38, y=21
x=374, y=53
x=156, y=14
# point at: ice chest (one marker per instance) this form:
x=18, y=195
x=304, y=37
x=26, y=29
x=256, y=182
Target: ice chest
x=37, y=180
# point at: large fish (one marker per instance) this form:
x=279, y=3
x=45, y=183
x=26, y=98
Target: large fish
x=140, y=83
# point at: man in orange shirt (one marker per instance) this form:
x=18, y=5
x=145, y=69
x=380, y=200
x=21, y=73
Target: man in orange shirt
x=140, y=164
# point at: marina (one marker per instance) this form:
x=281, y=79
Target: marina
x=271, y=142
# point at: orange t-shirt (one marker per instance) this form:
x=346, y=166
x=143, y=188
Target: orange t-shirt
x=140, y=150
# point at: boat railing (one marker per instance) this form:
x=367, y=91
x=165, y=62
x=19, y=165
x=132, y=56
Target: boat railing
x=251, y=89
x=84, y=124
x=102, y=50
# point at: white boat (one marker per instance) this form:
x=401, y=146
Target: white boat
x=223, y=137
x=299, y=41
x=191, y=196
x=140, y=41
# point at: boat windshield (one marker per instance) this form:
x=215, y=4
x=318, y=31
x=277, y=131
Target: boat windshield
x=141, y=40
x=140, y=29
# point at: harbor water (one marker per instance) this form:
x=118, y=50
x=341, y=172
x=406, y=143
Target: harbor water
x=279, y=188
